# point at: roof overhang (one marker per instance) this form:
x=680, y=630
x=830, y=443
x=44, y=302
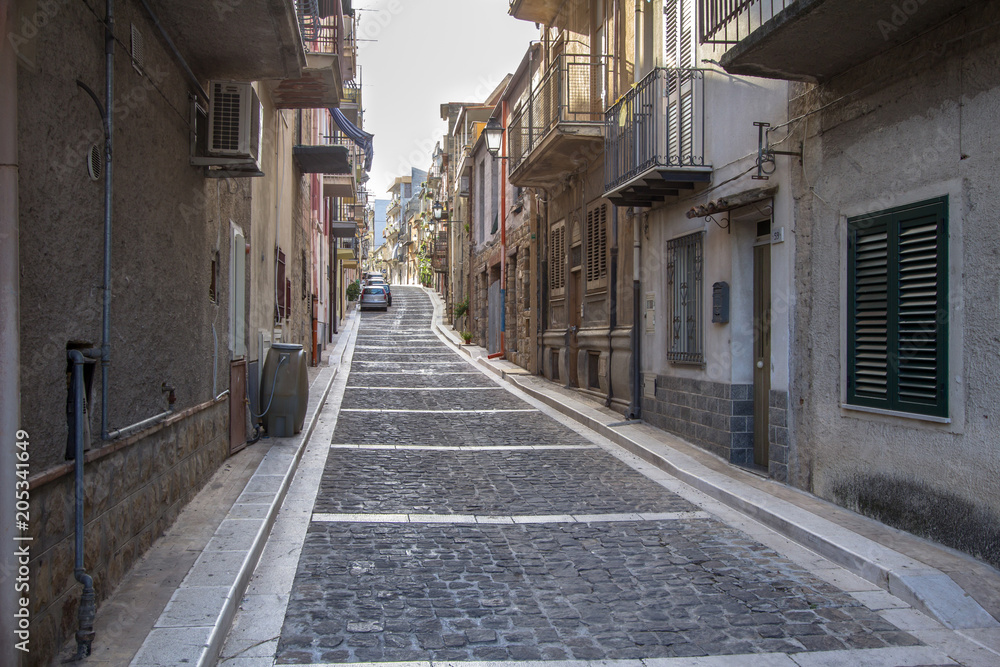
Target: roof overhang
x=245, y=41
x=322, y=159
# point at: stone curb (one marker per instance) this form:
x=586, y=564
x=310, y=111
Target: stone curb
x=923, y=587
x=193, y=627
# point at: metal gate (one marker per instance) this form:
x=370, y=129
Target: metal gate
x=493, y=320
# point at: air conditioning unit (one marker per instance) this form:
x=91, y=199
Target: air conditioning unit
x=234, y=121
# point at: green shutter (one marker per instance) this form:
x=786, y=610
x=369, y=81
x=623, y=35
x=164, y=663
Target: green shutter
x=898, y=309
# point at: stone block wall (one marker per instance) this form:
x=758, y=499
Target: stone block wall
x=134, y=490
x=778, y=435
x=714, y=415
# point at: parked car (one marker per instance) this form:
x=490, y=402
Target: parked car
x=374, y=297
x=378, y=281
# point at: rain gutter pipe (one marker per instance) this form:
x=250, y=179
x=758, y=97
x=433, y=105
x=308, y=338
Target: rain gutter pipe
x=108, y=117
x=612, y=299
x=85, y=631
x=635, y=407
x=10, y=344
x=503, y=233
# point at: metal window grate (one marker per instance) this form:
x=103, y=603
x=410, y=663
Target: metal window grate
x=684, y=290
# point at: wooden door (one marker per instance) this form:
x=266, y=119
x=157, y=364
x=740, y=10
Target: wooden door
x=237, y=406
x=761, y=351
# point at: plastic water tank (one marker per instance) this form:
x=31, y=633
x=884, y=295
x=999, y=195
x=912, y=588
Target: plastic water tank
x=285, y=372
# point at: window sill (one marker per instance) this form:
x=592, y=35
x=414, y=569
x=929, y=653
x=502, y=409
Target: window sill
x=895, y=413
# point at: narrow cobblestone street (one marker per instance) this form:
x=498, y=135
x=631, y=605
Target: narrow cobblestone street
x=456, y=521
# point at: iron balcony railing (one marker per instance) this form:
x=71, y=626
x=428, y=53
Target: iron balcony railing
x=319, y=34
x=571, y=91
x=729, y=21
x=659, y=123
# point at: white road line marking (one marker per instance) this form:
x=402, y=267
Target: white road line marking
x=428, y=388
x=322, y=517
x=462, y=448
x=440, y=411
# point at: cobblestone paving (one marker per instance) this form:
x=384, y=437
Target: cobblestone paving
x=377, y=588
x=445, y=399
x=488, y=482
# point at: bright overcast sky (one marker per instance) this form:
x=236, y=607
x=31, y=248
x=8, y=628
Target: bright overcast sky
x=428, y=52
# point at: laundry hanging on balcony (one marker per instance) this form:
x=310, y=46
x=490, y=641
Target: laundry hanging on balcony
x=360, y=137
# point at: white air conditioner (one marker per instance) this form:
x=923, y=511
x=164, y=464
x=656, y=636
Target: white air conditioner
x=235, y=120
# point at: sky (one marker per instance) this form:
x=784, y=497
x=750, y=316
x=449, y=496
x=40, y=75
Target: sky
x=428, y=52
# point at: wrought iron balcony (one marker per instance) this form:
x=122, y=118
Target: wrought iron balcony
x=319, y=30
x=811, y=40
x=561, y=123
x=655, y=138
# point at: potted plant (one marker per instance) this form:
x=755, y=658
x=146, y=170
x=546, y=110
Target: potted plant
x=467, y=337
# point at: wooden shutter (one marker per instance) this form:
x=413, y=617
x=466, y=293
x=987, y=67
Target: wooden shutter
x=597, y=245
x=678, y=33
x=921, y=331
x=557, y=259
x=898, y=309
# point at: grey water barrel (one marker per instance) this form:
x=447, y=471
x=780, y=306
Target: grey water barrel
x=285, y=372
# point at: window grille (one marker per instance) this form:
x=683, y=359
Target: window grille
x=684, y=291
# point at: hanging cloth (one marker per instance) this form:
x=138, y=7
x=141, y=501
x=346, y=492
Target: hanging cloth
x=360, y=137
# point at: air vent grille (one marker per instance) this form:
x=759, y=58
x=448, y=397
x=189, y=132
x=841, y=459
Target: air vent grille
x=95, y=162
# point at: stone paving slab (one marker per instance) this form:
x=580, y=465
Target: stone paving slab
x=490, y=482
x=388, y=358
x=528, y=428
x=446, y=399
x=629, y=590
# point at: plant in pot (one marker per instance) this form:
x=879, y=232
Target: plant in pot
x=353, y=290
x=467, y=337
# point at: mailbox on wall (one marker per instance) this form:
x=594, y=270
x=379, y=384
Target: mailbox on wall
x=720, y=303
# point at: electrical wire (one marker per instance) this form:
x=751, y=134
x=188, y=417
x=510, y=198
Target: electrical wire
x=184, y=119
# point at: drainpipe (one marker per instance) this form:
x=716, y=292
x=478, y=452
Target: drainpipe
x=85, y=632
x=635, y=407
x=109, y=90
x=10, y=344
x=612, y=298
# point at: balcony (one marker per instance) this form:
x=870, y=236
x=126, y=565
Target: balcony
x=561, y=127
x=811, y=40
x=537, y=11
x=655, y=138
x=321, y=82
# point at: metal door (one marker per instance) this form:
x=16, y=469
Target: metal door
x=493, y=318
x=761, y=351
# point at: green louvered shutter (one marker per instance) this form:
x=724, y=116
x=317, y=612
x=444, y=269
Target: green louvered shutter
x=898, y=309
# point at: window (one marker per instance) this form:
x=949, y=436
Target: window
x=684, y=298
x=597, y=246
x=897, y=292
x=557, y=260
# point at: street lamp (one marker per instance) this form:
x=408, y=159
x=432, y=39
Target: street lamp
x=494, y=134
x=438, y=210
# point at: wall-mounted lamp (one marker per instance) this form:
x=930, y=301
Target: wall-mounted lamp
x=494, y=134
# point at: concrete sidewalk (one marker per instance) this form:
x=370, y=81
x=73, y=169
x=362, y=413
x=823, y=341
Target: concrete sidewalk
x=177, y=604
x=957, y=590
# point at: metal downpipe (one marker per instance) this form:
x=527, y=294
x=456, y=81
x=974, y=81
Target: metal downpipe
x=10, y=343
x=635, y=407
x=612, y=300
x=87, y=610
x=109, y=89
